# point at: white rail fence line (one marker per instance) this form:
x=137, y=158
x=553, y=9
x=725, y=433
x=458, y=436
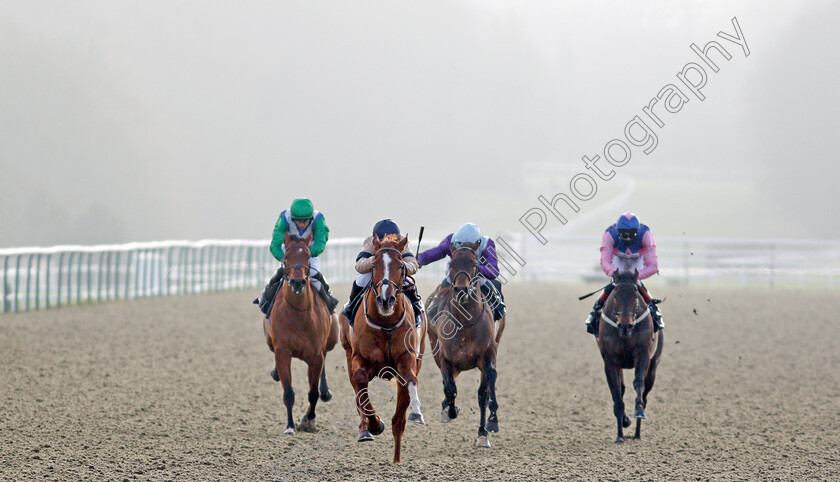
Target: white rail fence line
x=36, y=278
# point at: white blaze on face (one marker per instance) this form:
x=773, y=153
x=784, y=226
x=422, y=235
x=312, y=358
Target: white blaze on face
x=387, y=260
x=414, y=405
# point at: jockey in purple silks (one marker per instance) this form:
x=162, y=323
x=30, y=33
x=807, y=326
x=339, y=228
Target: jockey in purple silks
x=625, y=246
x=488, y=264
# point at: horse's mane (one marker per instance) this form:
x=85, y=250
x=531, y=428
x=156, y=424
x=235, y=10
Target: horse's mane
x=626, y=277
x=390, y=238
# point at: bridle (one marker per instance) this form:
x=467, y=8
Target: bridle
x=470, y=276
x=289, y=270
x=636, y=319
x=377, y=287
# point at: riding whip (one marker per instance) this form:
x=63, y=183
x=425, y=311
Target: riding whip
x=590, y=294
x=420, y=238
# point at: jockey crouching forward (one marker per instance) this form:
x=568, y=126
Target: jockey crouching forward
x=364, y=266
x=625, y=246
x=488, y=264
x=300, y=221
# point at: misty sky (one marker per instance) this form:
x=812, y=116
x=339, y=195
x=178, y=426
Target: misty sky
x=137, y=121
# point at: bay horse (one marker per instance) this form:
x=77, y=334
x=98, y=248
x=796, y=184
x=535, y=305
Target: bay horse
x=462, y=334
x=627, y=341
x=300, y=326
x=384, y=342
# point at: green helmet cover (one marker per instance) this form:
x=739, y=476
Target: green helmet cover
x=302, y=209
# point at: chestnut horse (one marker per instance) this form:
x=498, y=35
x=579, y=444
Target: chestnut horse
x=384, y=342
x=462, y=334
x=627, y=340
x=300, y=326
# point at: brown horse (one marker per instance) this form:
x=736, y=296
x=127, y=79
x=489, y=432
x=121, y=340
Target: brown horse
x=627, y=340
x=384, y=342
x=300, y=326
x=462, y=334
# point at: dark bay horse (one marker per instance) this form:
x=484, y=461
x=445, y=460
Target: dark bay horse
x=300, y=326
x=462, y=334
x=627, y=340
x=384, y=342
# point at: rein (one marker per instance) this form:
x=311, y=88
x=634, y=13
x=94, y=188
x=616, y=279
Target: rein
x=636, y=320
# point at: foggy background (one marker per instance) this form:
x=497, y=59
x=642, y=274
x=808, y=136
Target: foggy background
x=138, y=121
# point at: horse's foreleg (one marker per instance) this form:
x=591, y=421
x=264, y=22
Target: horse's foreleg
x=398, y=421
x=614, y=381
x=650, y=378
x=450, y=391
x=642, y=363
x=482, y=408
x=326, y=394
x=316, y=368
x=283, y=362
x=361, y=378
x=490, y=375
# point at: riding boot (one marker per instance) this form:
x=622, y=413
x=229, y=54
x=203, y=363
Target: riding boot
x=494, y=297
x=266, y=298
x=350, y=308
x=416, y=300
x=331, y=300
x=595, y=316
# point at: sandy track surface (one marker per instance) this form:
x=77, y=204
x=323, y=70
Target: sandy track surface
x=178, y=388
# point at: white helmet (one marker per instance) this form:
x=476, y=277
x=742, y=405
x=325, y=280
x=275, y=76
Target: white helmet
x=468, y=233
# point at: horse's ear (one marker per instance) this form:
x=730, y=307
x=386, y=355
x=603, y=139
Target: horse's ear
x=635, y=274
x=451, y=248
x=474, y=246
x=287, y=238
x=376, y=242
x=308, y=239
x=403, y=243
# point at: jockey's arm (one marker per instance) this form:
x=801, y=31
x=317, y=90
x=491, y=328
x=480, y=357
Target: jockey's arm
x=410, y=262
x=320, y=235
x=435, y=254
x=280, y=230
x=607, y=247
x=364, y=261
x=488, y=264
x=649, y=257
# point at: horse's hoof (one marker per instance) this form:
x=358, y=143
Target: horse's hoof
x=307, y=424
x=380, y=429
x=448, y=414
x=365, y=436
x=326, y=396
x=492, y=426
x=289, y=431
x=637, y=437
x=626, y=421
x=619, y=440
x=454, y=411
x=482, y=442
x=416, y=418
x=274, y=375
x=640, y=413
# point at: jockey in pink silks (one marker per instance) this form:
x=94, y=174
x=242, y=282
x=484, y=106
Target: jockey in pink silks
x=625, y=246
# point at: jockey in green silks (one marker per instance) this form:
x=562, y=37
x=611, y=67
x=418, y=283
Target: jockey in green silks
x=299, y=221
